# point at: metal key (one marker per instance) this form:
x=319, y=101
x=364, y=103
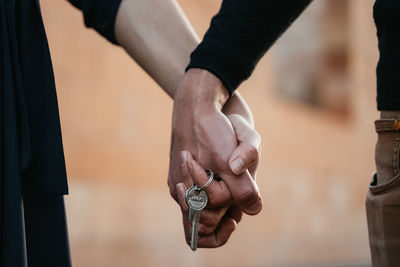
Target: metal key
x=196, y=200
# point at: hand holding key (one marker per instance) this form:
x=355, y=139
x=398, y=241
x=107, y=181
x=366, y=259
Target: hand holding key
x=228, y=145
x=213, y=224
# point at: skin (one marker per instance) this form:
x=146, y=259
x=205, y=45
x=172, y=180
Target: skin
x=200, y=128
x=211, y=233
x=157, y=35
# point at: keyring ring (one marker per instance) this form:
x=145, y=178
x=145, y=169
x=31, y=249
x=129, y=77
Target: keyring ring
x=211, y=175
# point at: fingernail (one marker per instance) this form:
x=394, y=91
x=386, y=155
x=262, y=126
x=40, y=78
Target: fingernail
x=237, y=166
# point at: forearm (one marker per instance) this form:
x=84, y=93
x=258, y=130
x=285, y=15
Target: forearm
x=237, y=105
x=157, y=35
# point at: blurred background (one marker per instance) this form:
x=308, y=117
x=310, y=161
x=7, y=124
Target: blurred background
x=313, y=98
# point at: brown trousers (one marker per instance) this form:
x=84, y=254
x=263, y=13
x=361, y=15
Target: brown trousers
x=383, y=197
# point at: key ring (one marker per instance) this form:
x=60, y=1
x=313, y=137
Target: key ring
x=211, y=175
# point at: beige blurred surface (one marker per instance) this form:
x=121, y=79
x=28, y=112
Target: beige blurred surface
x=314, y=173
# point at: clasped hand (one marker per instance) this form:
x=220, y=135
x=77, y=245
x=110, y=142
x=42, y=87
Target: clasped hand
x=211, y=132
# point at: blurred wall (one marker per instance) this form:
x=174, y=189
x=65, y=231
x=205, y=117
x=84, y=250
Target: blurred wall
x=314, y=173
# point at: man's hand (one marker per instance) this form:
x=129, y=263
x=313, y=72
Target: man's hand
x=200, y=128
x=215, y=224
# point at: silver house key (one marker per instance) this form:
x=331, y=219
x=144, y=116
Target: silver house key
x=196, y=199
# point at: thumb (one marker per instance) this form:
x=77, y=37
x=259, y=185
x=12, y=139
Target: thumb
x=247, y=153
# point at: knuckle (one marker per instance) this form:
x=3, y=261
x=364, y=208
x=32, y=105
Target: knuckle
x=218, y=199
x=247, y=196
x=206, y=230
x=220, y=161
x=221, y=242
x=254, y=136
x=234, y=117
x=252, y=152
x=210, y=221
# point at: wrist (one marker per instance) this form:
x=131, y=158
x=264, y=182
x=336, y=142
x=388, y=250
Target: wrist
x=201, y=88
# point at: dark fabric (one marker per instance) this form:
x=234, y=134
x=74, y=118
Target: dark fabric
x=100, y=15
x=33, y=178
x=242, y=31
x=47, y=243
x=41, y=151
x=240, y=34
x=386, y=15
x=34, y=229
x=28, y=75
x=12, y=249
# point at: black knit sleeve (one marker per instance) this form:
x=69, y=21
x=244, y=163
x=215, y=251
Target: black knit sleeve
x=240, y=34
x=100, y=15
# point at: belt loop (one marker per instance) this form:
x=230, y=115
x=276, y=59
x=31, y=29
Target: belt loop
x=387, y=125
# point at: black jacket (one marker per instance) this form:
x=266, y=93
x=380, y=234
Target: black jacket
x=30, y=135
x=243, y=31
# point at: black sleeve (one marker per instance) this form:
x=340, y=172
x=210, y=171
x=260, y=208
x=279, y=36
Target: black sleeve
x=100, y=15
x=240, y=34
